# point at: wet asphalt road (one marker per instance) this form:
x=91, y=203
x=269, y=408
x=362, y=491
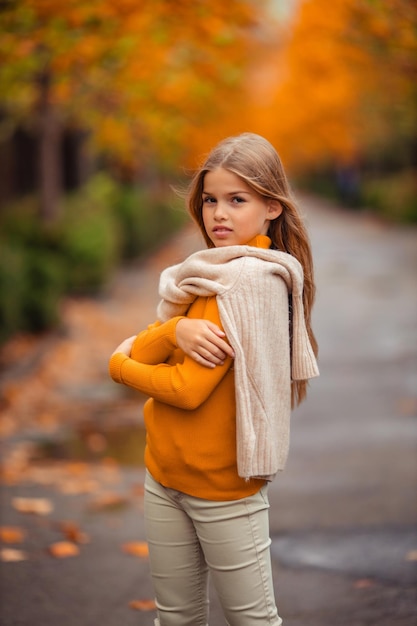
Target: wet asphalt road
x=344, y=512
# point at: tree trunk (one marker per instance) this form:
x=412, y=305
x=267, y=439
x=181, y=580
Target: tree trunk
x=50, y=170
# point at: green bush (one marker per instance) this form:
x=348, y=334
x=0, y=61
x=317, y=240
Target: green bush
x=90, y=236
x=394, y=196
x=145, y=221
x=44, y=286
x=12, y=288
x=130, y=210
x=31, y=286
x=100, y=225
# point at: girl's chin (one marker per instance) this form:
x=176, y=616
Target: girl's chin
x=222, y=243
x=224, y=240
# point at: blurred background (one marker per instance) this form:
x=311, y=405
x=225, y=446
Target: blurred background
x=104, y=104
x=105, y=107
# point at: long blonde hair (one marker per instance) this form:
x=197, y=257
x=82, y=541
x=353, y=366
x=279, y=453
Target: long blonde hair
x=256, y=161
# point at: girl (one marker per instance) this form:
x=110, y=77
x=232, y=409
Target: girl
x=218, y=415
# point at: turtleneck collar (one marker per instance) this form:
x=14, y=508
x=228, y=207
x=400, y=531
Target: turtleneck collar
x=260, y=241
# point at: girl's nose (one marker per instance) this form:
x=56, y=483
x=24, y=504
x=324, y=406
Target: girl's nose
x=219, y=211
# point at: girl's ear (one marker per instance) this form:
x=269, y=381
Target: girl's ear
x=274, y=209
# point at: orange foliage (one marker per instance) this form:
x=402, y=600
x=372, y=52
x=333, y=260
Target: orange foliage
x=310, y=103
x=339, y=82
x=139, y=75
x=161, y=82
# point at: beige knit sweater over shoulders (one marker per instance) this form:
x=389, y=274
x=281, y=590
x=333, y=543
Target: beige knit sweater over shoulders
x=252, y=286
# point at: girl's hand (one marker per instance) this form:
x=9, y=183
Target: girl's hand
x=126, y=346
x=203, y=341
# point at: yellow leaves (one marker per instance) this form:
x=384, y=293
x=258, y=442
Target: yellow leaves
x=149, y=58
x=172, y=80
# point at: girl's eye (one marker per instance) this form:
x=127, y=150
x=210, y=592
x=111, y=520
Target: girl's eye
x=237, y=199
x=209, y=200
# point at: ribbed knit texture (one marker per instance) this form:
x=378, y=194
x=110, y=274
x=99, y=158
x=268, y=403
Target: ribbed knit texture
x=251, y=285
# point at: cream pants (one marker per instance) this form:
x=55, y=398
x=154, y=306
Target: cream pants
x=189, y=537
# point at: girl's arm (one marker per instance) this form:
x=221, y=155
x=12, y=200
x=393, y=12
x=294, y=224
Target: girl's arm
x=143, y=363
x=185, y=385
x=155, y=344
x=200, y=339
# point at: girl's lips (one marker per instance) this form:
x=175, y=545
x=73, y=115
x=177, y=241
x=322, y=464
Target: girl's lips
x=221, y=233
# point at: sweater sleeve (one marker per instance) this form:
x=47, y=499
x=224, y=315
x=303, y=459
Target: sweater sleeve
x=155, y=344
x=156, y=368
x=184, y=385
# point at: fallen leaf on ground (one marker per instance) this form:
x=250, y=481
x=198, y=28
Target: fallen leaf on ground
x=12, y=534
x=363, y=583
x=78, y=468
x=12, y=555
x=63, y=549
x=73, y=533
x=142, y=605
x=77, y=486
x=411, y=556
x=136, y=548
x=38, y=506
x=109, y=501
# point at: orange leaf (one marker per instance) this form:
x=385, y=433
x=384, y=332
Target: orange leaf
x=12, y=555
x=110, y=501
x=12, y=534
x=39, y=506
x=73, y=533
x=136, y=548
x=63, y=549
x=142, y=605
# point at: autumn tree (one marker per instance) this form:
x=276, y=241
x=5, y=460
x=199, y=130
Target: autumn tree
x=138, y=75
x=387, y=33
x=339, y=83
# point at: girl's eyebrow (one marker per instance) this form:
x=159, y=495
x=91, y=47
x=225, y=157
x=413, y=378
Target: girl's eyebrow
x=229, y=193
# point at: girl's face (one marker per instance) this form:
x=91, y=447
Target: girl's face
x=233, y=212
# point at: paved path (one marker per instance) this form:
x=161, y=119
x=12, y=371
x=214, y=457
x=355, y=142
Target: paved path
x=344, y=512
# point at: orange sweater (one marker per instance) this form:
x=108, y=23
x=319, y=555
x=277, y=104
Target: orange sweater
x=190, y=416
